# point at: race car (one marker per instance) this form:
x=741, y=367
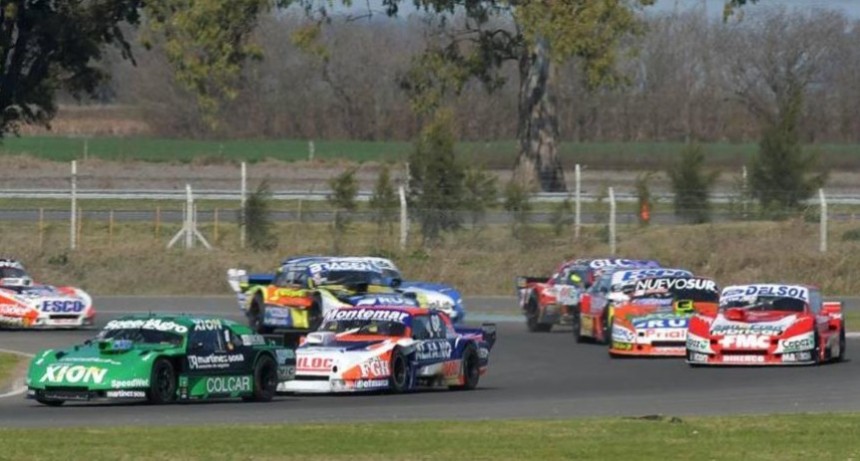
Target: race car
x=593, y=316
x=304, y=289
x=768, y=324
x=161, y=359
x=653, y=320
x=433, y=295
x=25, y=304
x=549, y=301
x=395, y=349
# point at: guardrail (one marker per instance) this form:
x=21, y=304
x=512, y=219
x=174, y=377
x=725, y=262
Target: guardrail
x=321, y=195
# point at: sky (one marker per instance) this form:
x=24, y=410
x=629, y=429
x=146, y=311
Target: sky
x=851, y=8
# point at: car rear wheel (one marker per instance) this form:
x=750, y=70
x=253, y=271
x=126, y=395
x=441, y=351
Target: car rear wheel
x=576, y=323
x=533, y=318
x=162, y=382
x=265, y=379
x=607, y=327
x=816, y=351
x=841, y=355
x=399, y=380
x=315, y=317
x=257, y=314
x=470, y=369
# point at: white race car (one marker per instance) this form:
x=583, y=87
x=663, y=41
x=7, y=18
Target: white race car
x=24, y=304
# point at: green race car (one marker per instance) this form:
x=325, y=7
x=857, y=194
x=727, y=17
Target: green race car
x=162, y=358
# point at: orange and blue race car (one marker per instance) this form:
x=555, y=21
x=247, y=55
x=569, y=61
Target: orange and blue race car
x=768, y=324
x=552, y=300
x=653, y=321
x=390, y=348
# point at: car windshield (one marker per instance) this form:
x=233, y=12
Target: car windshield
x=12, y=273
x=765, y=303
x=696, y=296
x=142, y=336
x=574, y=276
x=352, y=278
x=365, y=327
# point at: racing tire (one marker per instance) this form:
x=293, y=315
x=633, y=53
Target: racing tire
x=470, y=367
x=257, y=314
x=398, y=382
x=816, y=351
x=265, y=380
x=841, y=356
x=532, y=319
x=50, y=402
x=607, y=327
x=690, y=361
x=162, y=383
x=576, y=324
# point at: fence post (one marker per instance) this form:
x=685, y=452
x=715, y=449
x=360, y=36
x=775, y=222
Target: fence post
x=311, y=150
x=578, y=205
x=404, y=221
x=41, y=228
x=242, y=207
x=110, y=229
x=215, y=224
x=611, y=221
x=823, y=222
x=73, y=237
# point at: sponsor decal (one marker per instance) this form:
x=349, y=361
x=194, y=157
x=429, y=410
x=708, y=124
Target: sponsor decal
x=632, y=275
x=650, y=322
x=314, y=364
x=89, y=360
x=253, y=340
x=621, y=334
x=743, y=358
x=207, y=324
x=73, y=374
x=602, y=263
x=385, y=300
x=747, y=329
x=745, y=342
x=666, y=334
x=696, y=343
x=148, y=324
x=483, y=353
x=206, y=362
x=670, y=284
x=797, y=357
x=228, y=384
x=698, y=357
x=374, y=368
x=13, y=310
x=367, y=314
x=62, y=305
x=125, y=394
x=622, y=346
x=433, y=350
x=788, y=291
x=369, y=383
x=126, y=383
x=798, y=343
x=331, y=266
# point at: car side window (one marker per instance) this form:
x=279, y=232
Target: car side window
x=815, y=301
x=207, y=341
x=421, y=327
x=437, y=327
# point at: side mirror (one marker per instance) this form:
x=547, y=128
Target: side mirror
x=197, y=346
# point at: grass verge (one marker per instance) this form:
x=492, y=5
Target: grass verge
x=501, y=154
x=751, y=438
x=8, y=364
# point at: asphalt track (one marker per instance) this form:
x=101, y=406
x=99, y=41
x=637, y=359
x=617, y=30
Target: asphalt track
x=531, y=375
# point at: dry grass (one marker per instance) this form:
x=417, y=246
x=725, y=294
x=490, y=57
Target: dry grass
x=485, y=261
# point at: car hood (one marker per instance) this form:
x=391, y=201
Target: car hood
x=753, y=323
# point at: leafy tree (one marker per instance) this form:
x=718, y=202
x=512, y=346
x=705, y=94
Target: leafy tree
x=436, y=177
x=258, y=220
x=384, y=201
x=561, y=215
x=780, y=175
x=517, y=203
x=344, y=189
x=48, y=46
x=691, y=184
x=479, y=192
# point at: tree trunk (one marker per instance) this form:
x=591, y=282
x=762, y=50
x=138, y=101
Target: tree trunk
x=537, y=125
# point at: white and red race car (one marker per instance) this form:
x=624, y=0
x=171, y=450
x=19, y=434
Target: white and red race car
x=24, y=304
x=768, y=324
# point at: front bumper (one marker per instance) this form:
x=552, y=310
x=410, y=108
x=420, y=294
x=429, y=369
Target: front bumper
x=647, y=350
x=785, y=359
x=85, y=395
x=303, y=385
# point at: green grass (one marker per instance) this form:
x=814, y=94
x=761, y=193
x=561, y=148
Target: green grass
x=751, y=438
x=8, y=363
x=495, y=154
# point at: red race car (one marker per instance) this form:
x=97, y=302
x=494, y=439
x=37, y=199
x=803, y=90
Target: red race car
x=768, y=324
x=548, y=301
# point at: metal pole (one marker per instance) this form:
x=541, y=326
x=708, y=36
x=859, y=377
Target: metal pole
x=611, y=221
x=311, y=150
x=404, y=222
x=73, y=238
x=578, y=204
x=823, y=224
x=242, y=207
x=189, y=217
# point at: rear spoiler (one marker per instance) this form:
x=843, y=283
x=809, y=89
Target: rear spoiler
x=239, y=279
x=523, y=281
x=487, y=333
